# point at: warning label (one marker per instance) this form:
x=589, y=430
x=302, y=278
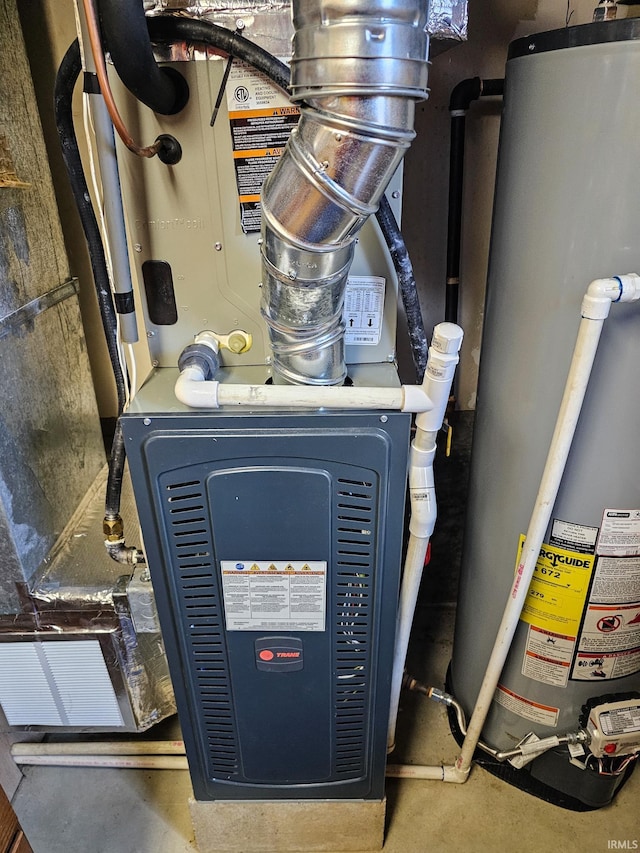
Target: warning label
x=558, y=590
x=609, y=642
x=608, y=629
x=577, y=537
x=544, y=715
x=261, y=119
x=274, y=595
x=620, y=721
x=603, y=667
x=548, y=657
x=363, y=310
x=619, y=533
x=616, y=580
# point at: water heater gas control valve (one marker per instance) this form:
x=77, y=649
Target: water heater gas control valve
x=614, y=728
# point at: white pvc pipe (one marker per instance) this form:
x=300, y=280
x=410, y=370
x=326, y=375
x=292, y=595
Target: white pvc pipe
x=413, y=566
x=133, y=762
x=179, y=762
x=441, y=365
x=595, y=309
x=437, y=773
x=193, y=390
x=120, y=747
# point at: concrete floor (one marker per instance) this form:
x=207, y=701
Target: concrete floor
x=74, y=810
x=67, y=810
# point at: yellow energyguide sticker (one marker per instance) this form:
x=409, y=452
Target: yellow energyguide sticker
x=558, y=589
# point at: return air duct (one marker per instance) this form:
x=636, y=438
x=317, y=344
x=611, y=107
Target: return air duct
x=352, y=134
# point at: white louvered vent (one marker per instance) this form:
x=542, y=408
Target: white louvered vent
x=57, y=684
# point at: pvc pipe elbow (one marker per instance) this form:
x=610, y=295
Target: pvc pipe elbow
x=602, y=292
x=192, y=390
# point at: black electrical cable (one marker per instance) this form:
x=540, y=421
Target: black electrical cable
x=168, y=29
x=66, y=78
x=406, y=280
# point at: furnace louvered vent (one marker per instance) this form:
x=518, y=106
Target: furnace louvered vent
x=355, y=511
x=201, y=612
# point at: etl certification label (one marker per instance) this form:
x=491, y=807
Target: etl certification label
x=274, y=595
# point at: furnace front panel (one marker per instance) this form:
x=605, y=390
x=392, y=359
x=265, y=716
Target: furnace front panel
x=274, y=546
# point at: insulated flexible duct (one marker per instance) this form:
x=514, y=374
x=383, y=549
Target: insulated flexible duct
x=357, y=70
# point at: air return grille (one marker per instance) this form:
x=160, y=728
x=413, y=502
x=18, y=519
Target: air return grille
x=200, y=609
x=355, y=525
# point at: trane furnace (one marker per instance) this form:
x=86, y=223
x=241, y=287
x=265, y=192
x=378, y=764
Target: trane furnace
x=269, y=447
x=275, y=541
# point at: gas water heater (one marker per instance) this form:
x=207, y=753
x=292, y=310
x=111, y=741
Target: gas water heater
x=566, y=213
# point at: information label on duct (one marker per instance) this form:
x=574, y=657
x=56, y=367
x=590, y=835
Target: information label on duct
x=261, y=118
x=274, y=595
x=619, y=533
x=558, y=590
x=363, y=309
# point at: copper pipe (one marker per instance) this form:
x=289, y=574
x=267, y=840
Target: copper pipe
x=101, y=70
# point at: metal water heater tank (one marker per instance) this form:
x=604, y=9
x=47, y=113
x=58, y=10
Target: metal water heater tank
x=567, y=211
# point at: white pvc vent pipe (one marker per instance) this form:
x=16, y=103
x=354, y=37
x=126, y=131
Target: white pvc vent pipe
x=595, y=309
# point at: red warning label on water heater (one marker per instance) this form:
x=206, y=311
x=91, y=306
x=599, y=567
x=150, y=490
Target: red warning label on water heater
x=544, y=715
x=609, y=639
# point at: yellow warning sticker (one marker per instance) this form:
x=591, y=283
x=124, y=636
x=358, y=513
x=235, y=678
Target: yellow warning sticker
x=558, y=590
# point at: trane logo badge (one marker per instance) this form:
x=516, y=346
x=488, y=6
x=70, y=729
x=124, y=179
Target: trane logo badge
x=267, y=654
x=278, y=654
